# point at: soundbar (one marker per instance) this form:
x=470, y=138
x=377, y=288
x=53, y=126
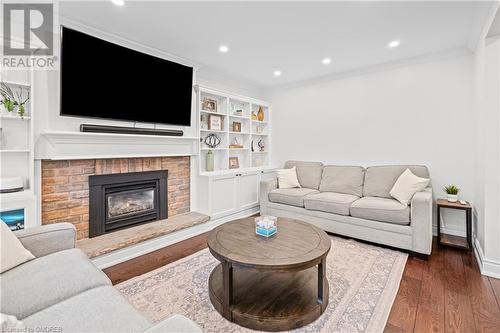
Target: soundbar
x=129, y=130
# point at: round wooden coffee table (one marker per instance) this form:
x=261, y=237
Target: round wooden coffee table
x=269, y=284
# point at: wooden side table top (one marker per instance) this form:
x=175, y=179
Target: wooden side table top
x=296, y=245
x=456, y=205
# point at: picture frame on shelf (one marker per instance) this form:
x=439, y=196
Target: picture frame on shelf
x=215, y=122
x=234, y=163
x=203, y=121
x=209, y=105
x=236, y=126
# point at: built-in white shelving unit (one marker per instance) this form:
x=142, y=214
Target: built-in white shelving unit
x=17, y=146
x=252, y=131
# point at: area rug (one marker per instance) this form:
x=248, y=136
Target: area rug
x=364, y=280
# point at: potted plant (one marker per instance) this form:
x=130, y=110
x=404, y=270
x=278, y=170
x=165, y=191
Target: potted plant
x=8, y=98
x=452, y=192
x=11, y=101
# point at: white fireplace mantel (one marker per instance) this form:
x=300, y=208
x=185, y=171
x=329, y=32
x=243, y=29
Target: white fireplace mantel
x=77, y=145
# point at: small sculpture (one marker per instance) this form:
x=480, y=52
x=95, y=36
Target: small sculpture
x=261, y=145
x=254, y=116
x=212, y=140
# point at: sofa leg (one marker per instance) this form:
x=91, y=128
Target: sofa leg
x=420, y=256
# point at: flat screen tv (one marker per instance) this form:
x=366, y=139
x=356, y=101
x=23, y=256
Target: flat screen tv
x=100, y=79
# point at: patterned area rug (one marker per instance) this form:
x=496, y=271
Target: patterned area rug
x=363, y=279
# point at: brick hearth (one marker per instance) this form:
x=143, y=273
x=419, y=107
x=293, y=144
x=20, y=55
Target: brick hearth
x=65, y=186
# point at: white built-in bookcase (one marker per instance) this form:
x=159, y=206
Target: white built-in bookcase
x=251, y=131
x=17, y=146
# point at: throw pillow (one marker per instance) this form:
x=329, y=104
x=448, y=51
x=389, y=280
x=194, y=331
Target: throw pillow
x=287, y=178
x=13, y=252
x=10, y=323
x=407, y=185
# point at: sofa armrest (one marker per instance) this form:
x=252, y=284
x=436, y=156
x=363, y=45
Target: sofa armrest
x=421, y=221
x=48, y=239
x=266, y=186
x=175, y=324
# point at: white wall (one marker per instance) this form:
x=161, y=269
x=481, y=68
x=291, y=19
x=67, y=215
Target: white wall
x=487, y=161
x=415, y=114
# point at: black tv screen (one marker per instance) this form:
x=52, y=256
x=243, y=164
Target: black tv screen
x=100, y=79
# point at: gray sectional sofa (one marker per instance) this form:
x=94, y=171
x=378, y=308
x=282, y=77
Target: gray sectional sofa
x=62, y=291
x=354, y=201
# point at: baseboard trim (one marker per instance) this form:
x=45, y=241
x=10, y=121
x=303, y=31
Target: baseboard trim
x=121, y=255
x=488, y=267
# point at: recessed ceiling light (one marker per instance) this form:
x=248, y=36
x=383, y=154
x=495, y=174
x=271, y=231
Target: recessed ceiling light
x=118, y=2
x=223, y=49
x=277, y=73
x=394, y=43
x=326, y=61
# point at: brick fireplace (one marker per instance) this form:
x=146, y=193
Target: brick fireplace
x=65, y=186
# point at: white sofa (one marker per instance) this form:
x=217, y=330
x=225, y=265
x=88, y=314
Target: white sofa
x=355, y=202
x=62, y=291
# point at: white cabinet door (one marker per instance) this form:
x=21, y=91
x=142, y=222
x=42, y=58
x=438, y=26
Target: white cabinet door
x=249, y=190
x=223, y=196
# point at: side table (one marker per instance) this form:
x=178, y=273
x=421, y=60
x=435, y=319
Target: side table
x=464, y=243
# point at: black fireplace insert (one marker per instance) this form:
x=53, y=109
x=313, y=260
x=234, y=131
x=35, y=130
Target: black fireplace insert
x=118, y=201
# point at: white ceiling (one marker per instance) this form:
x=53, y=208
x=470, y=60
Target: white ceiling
x=289, y=36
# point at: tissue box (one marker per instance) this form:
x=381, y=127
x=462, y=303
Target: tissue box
x=266, y=226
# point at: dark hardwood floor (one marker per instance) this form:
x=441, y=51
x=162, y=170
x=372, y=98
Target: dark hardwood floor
x=445, y=293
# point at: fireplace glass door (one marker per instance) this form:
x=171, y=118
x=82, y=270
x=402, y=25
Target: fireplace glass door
x=125, y=205
x=128, y=203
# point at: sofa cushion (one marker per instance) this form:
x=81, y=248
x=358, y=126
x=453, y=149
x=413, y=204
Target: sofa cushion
x=13, y=252
x=407, y=185
x=287, y=178
x=44, y=281
x=379, y=180
x=343, y=179
x=330, y=202
x=308, y=173
x=290, y=196
x=100, y=309
x=381, y=209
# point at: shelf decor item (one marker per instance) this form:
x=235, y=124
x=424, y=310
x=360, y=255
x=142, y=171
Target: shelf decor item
x=451, y=192
x=203, y=121
x=238, y=112
x=234, y=163
x=260, y=114
x=11, y=101
x=8, y=98
x=214, y=122
x=212, y=141
x=254, y=116
x=236, y=126
x=258, y=129
x=266, y=225
x=261, y=144
x=210, y=161
x=235, y=143
x=209, y=105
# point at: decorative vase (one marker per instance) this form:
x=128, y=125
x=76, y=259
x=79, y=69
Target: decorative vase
x=452, y=197
x=260, y=114
x=210, y=161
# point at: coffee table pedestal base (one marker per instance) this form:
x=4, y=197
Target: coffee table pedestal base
x=269, y=300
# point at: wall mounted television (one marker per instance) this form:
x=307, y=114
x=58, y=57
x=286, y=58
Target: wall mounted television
x=100, y=79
